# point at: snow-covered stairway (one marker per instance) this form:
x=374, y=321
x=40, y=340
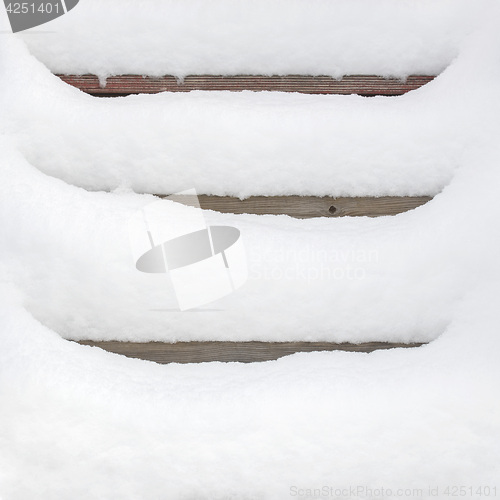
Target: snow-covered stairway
x=82, y=417
x=293, y=205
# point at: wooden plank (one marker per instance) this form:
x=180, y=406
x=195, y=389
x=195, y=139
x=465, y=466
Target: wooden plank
x=243, y=352
x=366, y=85
x=303, y=207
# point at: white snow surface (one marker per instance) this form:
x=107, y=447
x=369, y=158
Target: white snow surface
x=248, y=143
x=79, y=423
x=229, y=37
x=243, y=144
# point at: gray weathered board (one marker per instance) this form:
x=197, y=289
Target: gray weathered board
x=303, y=207
x=365, y=85
x=243, y=352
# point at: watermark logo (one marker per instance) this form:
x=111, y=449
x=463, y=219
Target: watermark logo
x=205, y=263
x=25, y=15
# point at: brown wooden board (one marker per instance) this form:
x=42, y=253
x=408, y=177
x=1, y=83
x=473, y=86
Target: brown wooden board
x=243, y=352
x=303, y=207
x=366, y=85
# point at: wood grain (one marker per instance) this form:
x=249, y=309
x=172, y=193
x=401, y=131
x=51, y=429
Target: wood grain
x=303, y=207
x=366, y=85
x=243, y=352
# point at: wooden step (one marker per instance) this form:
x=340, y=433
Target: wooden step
x=303, y=207
x=365, y=85
x=242, y=352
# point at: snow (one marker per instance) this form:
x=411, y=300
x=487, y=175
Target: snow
x=320, y=37
x=77, y=422
x=240, y=144
x=81, y=423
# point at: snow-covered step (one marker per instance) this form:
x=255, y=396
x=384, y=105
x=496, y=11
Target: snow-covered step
x=366, y=85
x=243, y=352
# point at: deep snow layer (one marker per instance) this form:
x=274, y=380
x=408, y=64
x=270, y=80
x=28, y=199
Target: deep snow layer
x=319, y=37
x=79, y=423
x=245, y=143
